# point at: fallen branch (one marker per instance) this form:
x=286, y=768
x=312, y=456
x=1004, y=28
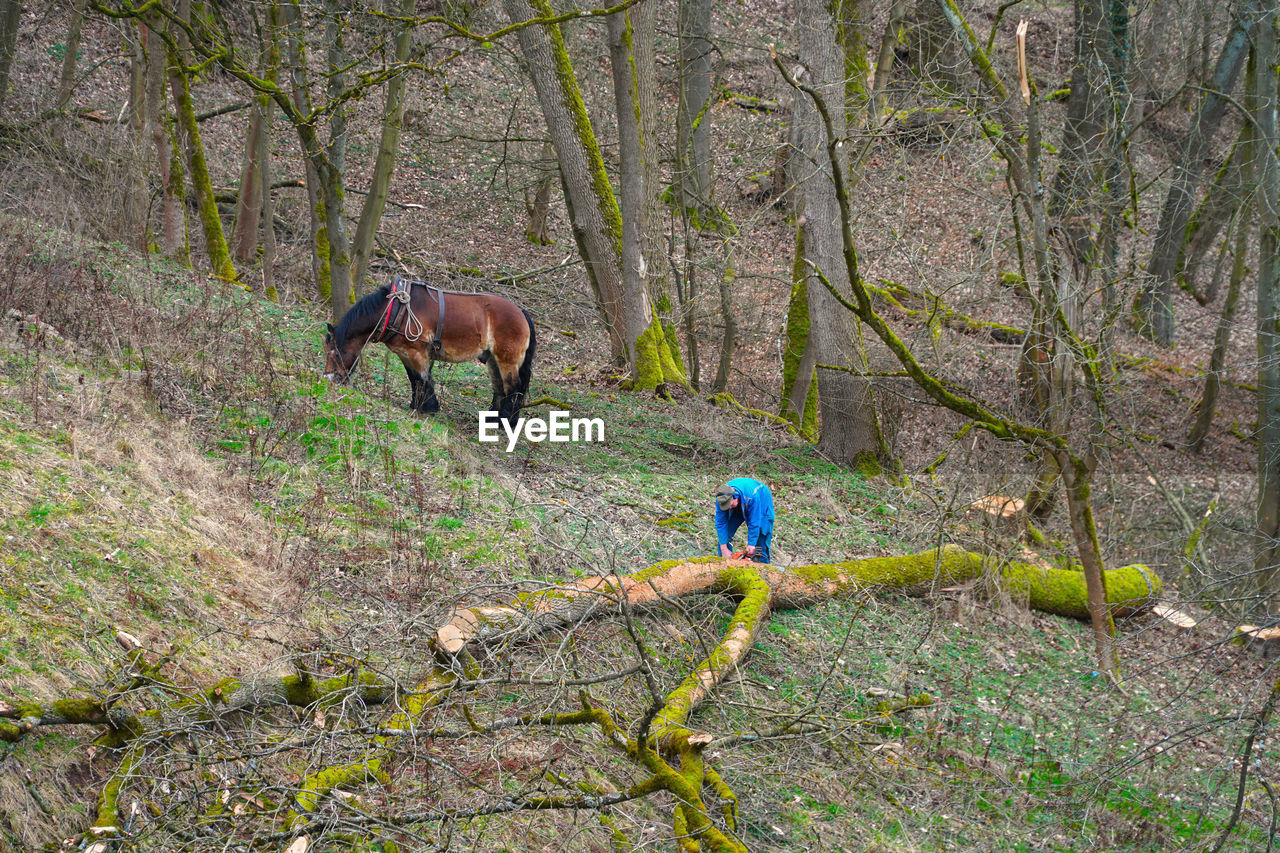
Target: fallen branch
x=662, y=745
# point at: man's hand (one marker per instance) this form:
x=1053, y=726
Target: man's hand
x=751, y=550
x=725, y=552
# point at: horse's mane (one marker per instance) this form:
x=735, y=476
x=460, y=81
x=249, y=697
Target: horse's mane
x=362, y=315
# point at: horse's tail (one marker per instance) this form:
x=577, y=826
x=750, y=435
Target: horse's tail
x=526, y=364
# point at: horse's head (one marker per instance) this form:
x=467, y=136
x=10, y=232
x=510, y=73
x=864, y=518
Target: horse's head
x=339, y=361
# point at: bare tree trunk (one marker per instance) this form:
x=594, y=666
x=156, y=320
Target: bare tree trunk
x=137, y=197
x=300, y=94
x=137, y=82
x=1221, y=339
x=1155, y=303
x=249, y=200
x=692, y=184
x=10, y=17
x=268, y=212
x=850, y=431
x=67, y=79
x=933, y=47
x=1082, y=201
x=388, y=149
x=539, y=209
x=1077, y=477
x=267, y=107
x=1088, y=113
x=244, y=231
x=1267, y=557
x=728, y=344
x=686, y=273
x=332, y=190
x=889, y=40
x=1221, y=201
x=637, y=312
x=173, y=210
x=693, y=114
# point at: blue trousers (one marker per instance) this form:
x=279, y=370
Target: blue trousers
x=763, y=539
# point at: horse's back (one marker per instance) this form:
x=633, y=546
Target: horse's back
x=476, y=323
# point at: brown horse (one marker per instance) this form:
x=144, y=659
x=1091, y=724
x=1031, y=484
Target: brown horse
x=423, y=324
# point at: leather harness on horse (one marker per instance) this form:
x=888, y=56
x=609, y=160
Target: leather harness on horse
x=400, y=319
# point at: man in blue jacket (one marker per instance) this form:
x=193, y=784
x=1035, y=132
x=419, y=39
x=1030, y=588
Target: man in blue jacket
x=743, y=499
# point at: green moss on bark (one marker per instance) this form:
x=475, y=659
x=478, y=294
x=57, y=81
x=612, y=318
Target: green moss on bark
x=655, y=363
x=215, y=239
x=606, y=201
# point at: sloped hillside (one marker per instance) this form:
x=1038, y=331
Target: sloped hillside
x=175, y=469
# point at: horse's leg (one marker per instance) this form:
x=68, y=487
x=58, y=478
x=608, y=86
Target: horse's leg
x=499, y=402
x=422, y=396
x=430, y=403
x=507, y=391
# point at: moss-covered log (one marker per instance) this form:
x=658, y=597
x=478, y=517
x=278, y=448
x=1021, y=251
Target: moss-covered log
x=1059, y=591
x=662, y=745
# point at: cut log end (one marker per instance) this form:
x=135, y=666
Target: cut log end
x=1173, y=615
x=1000, y=513
x=1264, y=642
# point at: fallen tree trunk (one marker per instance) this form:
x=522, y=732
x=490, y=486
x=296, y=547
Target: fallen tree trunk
x=1058, y=591
x=665, y=750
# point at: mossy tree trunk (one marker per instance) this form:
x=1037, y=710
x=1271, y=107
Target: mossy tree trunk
x=1001, y=426
x=613, y=253
x=799, y=364
x=201, y=185
x=658, y=282
x=653, y=362
x=593, y=208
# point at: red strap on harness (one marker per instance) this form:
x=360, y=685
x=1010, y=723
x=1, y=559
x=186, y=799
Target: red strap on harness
x=398, y=284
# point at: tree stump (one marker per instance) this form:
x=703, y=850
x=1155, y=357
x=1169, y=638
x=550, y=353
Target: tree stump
x=1000, y=514
x=1261, y=641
